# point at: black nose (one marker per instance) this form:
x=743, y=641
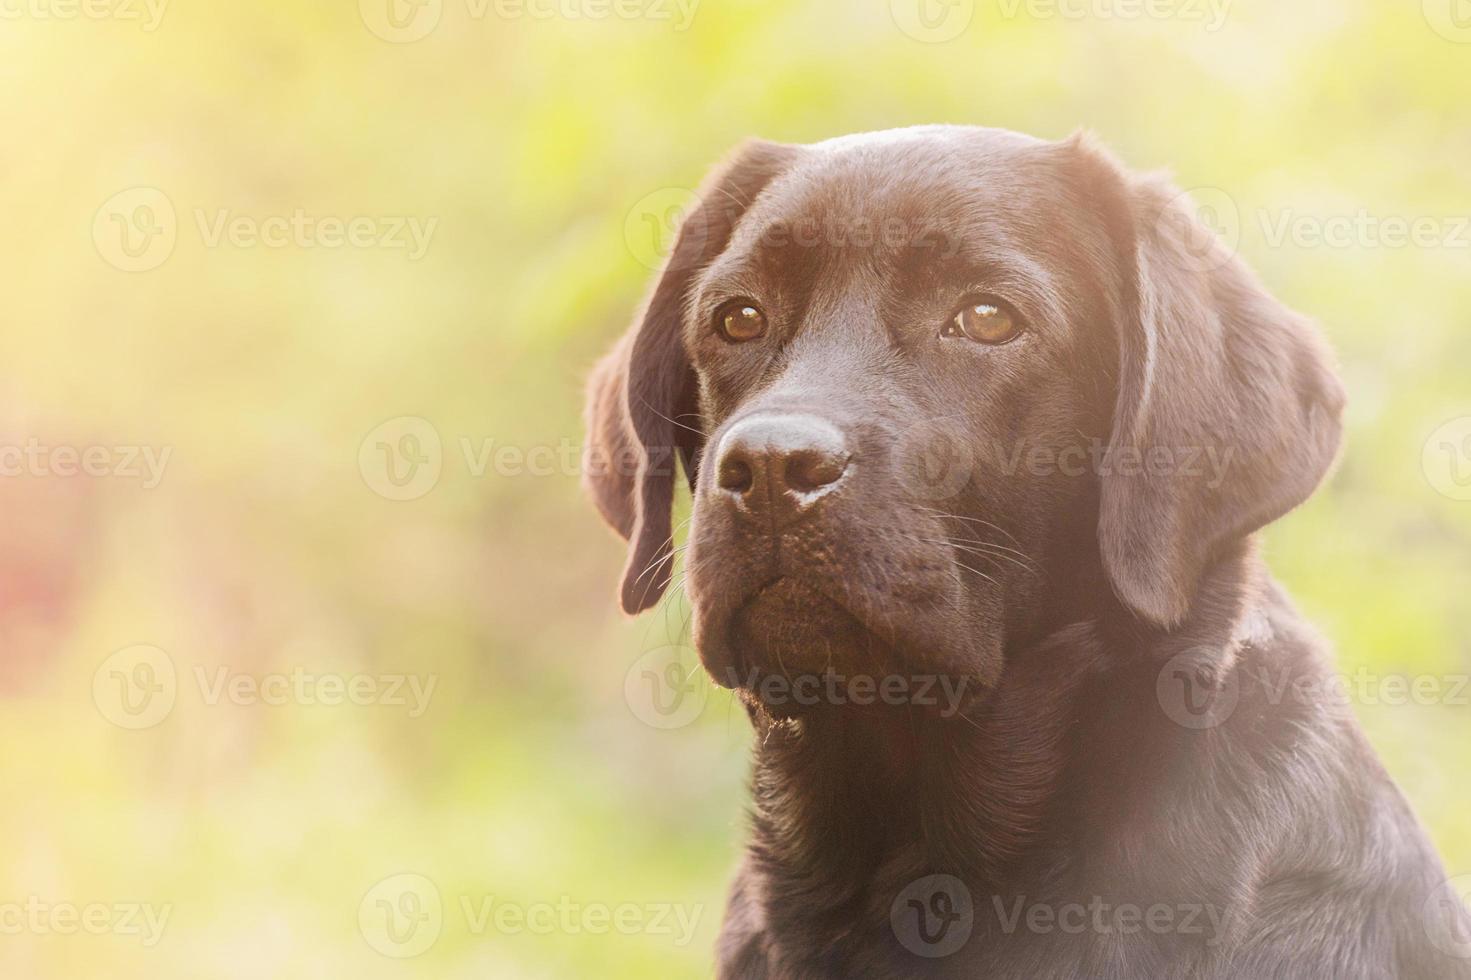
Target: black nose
x=780, y=464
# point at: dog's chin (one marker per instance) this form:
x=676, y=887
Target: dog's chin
x=793, y=627
x=791, y=650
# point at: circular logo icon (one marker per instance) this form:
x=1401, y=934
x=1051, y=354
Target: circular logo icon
x=934, y=462
x=136, y=687
x=666, y=688
x=1448, y=917
x=401, y=21
x=1447, y=459
x=933, y=21
x=402, y=458
x=135, y=230
x=401, y=916
x=1451, y=19
x=934, y=916
x=655, y=223
x=1190, y=694
x=1199, y=230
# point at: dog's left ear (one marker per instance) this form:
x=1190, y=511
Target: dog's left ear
x=643, y=397
x=1228, y=414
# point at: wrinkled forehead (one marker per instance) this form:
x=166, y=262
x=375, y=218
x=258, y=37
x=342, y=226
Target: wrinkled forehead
x=919, y=205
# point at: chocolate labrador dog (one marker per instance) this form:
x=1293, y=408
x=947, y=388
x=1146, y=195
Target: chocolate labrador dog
x=979, y=431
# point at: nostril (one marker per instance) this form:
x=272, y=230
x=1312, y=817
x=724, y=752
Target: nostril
x=735, y=475
x=809, y=470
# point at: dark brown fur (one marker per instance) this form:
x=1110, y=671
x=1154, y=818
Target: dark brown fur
x=1065, y=604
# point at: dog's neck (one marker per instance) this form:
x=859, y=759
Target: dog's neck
x=844, y=793
x=847, y=797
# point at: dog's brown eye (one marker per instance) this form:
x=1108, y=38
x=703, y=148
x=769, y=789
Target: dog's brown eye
x=986, y=320
x=741, y=321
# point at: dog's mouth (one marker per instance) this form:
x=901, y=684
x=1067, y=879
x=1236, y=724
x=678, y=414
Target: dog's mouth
x=865, y=615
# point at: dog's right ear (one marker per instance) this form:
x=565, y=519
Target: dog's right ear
x=643, y=398
x=1209, y=362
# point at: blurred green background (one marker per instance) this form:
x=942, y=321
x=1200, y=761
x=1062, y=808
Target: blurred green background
x=206, y=252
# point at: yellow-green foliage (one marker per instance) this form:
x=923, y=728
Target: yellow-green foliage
x=530, y=143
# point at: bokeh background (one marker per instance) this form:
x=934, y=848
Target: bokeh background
x=363, y=444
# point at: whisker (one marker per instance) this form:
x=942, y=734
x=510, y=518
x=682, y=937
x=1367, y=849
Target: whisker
x=671, y=421
x=982, y=574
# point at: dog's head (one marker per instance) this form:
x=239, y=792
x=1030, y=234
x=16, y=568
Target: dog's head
x=918, y=379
